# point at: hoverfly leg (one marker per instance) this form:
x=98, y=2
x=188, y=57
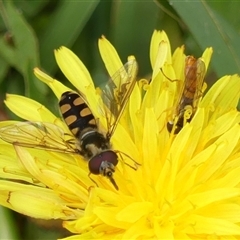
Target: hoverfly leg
x=171, y=80
x=167, y=110
x=135, y=163
x=92, y=179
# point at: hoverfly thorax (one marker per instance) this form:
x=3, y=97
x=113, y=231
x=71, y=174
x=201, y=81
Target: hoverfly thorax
x=93, y=142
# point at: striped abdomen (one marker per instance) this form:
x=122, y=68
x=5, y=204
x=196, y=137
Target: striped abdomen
x=76, y=113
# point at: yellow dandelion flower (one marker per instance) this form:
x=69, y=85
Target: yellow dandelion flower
x=187, y=184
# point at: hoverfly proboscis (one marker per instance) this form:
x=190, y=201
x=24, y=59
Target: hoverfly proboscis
x=87, y=139
x=190, y=93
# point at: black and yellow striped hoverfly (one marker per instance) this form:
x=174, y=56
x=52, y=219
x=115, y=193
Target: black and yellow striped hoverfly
x=88, y=139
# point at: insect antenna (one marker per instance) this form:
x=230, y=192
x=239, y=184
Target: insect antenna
x=135, y=162
x=89, y=175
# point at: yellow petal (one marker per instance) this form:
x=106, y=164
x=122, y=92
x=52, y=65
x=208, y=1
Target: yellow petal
x=203, y=225
x=33, y=111
x=41, y=203
x=157, y=37
x=109, y=56
x=74, y=69
x=207, y=56
x=223, y=95
x=179, y=63
x=140, y=209
x=57, y=87
x=160, y=58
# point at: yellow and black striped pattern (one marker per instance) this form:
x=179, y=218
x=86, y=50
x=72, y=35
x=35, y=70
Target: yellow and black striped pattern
x=76, y=113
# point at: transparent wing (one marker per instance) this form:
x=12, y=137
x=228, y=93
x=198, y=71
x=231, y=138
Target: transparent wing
x=39, y=135
x=192, y=88
x=201, y=71
x=116, y=92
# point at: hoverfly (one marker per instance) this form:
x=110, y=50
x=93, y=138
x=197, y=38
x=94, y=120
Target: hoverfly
x=88, y=140
x=191, y=92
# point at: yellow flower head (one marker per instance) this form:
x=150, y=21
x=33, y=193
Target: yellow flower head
x=170, y=186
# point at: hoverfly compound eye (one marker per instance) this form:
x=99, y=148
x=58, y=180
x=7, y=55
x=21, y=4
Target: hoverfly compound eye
x=103, y=161
x=104, y=164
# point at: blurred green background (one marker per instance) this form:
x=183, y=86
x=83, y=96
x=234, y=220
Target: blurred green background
x=31, y=30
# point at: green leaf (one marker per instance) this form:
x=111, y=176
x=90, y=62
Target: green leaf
x=9, y=229
x=3, y=69
x=30, y=8
x=65, y=25
x=133, y=25
x=23, y=54
x=211, y=29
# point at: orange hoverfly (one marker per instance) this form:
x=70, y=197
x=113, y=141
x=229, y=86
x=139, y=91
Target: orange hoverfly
x=191, y=92
x=88, y=141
